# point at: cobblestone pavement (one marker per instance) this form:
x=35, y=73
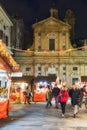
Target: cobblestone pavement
x=36, y=117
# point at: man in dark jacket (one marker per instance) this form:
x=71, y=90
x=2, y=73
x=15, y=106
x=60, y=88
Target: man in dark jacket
x=75, y=94
x=55, y=93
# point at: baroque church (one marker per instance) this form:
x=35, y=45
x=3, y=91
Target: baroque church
x=52, y=53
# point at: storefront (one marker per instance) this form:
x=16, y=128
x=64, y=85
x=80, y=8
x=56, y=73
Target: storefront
x=17, y=91
x=7, y=65
x=40, y=89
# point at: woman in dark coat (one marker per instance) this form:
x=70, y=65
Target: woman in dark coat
x=75, y=94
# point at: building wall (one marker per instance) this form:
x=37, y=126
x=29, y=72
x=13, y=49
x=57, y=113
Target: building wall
x=69, y=66
x=68, y=63
x=5, y=27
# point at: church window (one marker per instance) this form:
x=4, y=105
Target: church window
x=39, y=68
x=51, y=44
x=64, y=68
x=39, y=33
x=63, y=40
x=75, y=68
x=39, y=48
x=28, y=69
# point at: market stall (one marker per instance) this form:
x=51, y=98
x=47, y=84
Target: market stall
x=17, y=91
x=7, y=65
x=40, y=89
x=38, y=86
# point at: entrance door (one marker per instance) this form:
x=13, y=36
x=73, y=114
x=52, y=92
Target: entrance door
x=74, y=80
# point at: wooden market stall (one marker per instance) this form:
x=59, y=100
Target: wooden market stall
x=38, y=90
x=7, y=65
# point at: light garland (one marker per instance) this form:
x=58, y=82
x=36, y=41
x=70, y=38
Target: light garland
x=8, y=57
x=46, y=51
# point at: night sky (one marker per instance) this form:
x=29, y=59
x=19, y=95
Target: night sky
x=29, y=10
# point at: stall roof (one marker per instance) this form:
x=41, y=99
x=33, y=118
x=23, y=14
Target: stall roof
x=30, y=79
x=4, y=54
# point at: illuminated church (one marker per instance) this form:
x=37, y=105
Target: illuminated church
x=52, y=53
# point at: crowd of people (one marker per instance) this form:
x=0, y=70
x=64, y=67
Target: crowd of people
x=61, y=94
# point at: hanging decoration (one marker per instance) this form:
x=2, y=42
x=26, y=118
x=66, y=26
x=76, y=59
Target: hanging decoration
x=47, y=51
x=7, y=57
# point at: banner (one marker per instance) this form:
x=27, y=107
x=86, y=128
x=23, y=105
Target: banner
x=4, y=109
x=39, y=97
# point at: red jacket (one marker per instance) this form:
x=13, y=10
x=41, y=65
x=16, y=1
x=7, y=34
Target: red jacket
x=63, y=95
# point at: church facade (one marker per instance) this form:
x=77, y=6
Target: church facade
x=52, y=53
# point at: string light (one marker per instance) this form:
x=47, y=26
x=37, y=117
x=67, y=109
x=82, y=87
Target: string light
x=46, y=51
x=9, y=59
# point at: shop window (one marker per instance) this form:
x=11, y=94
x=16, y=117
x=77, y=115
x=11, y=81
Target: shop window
x=51, y=44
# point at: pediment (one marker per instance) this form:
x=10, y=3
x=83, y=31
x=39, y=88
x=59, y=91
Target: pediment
x=52, y=22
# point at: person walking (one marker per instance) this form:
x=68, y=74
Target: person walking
x=55, y=93
x=75, y=95
x=63, y=96
x=48, y=96
x=29, y=95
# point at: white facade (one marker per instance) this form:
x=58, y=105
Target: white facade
x=5, y=27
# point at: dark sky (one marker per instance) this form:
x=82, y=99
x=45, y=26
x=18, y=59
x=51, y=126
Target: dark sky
x=29, y=10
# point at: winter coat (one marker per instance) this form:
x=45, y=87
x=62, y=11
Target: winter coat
x=75, y=96
x=49, y=95
x=55, y=91
x=63, y=95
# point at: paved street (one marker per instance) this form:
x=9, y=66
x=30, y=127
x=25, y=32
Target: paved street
x=37, y=117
